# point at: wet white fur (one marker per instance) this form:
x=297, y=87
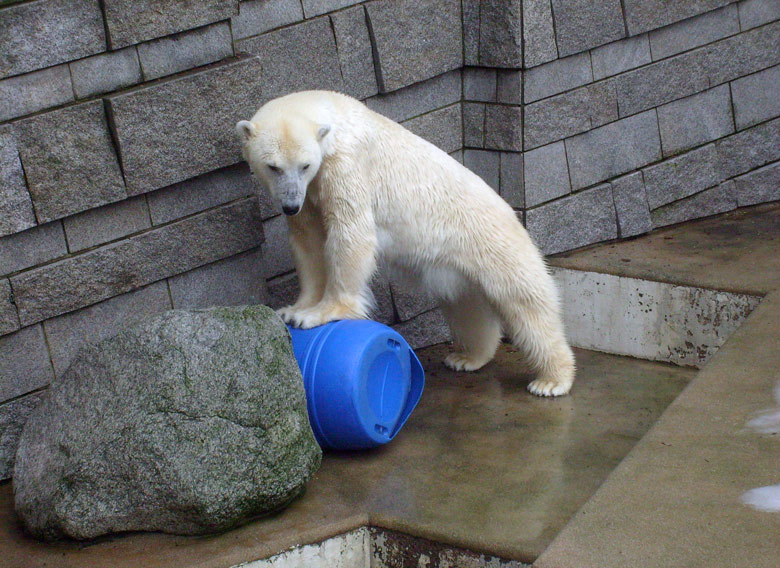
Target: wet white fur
x=380, y=190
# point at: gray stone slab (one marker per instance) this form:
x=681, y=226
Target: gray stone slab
x=68, y=333
x=646, y=15
x=235, y=281
x=105, y=72
x=177, y=129
x=748, y=149
x=681, y=176
x=742, y=54
x=471, y=32
x=25, y=364
x=277, y=253
x=259, y=16
x=409, y=300
x=114, y=269
x=442, y=128
x=575, y=221
x=283, y=291
x=32, y=247
x=633, y=215
x=419, y=98
x=16, y=210
x=40, y=34
x=754, y=13
x=356, y=57
x=695, y=120
x=201, y=193
x=384, y=311
x=406, y=51
x=500, y=34
x=583, y=24
x=694, y=32
x=318, y=7
x=756, y=97
x=107, y=223
x=509, y=87
x=718, y=199
x=759, y=186
x=620, y=56
x=426, y=329
x=570, y=113
x=484, y=163
x=133, y=21
x=13, y=415
x=614, y=149
x=512, y=179
x=546, y=174
x=185, y=50
x=557, y=76
x=35, y=91
x=69, y=161
x=538, y=33
x=474, y=125
x=9, y=319
x=504, y=127
x=479, y=84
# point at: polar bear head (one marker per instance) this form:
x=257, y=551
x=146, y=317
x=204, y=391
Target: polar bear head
x=284, y=147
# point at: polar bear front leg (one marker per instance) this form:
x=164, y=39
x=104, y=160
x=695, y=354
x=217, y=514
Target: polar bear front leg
x=350, y=259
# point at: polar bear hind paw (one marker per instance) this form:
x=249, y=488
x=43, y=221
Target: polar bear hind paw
x=546, y=387
x=462, y=362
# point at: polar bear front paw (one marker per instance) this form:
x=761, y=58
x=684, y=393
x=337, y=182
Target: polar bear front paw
x=546, y=387
x=462, y=362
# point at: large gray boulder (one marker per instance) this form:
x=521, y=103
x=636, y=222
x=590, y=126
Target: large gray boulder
x=188, y=423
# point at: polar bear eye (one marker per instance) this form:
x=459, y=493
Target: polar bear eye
x=274, y=169
x=305, y=167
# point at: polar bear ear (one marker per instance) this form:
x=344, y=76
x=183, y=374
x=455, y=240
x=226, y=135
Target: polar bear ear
x=245, y=129
x=326, y=142
x=323, y=132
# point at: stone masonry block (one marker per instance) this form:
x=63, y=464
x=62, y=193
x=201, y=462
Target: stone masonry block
x=13, y=415
x=296, y=58
x=426, y=329
x=557, y=76
x=277, y=252
x=712, y=201
x=748, y=149
x=681, y=176
x=69, y=160
x=174, y=130
x=742, y=54
x=484, y=163
x=512, y=188
x=32, y=247
x=570, y=113
x=575, y=221
x=759, y=186
x=235, y=281
x=583, y=24
x=409, y=299
x=611, y=150
x=283, y=291
x=546, y=174
x=479, y=84
x=620, y=56
x=318, y=7
x=500, y=34
x=442, y=128
x=538, y=33
x=70, y=332
x=185, y=50
x=40, y=34
x=695, y=120
x=756, y=97
x=356, y=57
x=646, y=15
x=201, y=193
x=133, y=21
x=504, y=127
x=114, y=269
x=419, y=98
x=473, y=125
x=471, y=32
x=9, y=320
x=105, y=72
x=509, y=87
x=25, y=364
x=694, y=32
x=107, y=223
x=633, y=215
x=405, y=50
x=35, y=91
x=259, y=16
x=16, y=211
x=754, y=13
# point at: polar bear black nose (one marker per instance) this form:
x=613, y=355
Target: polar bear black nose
x=290, y=209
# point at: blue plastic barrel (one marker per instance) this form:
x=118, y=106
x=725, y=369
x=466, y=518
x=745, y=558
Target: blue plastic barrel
x=362, y=382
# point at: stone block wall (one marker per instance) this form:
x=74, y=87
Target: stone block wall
x=122, y=192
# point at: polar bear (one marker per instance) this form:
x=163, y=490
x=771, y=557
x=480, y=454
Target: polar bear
x=356, y=186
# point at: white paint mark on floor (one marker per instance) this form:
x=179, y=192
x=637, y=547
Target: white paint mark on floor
x=765, y=499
